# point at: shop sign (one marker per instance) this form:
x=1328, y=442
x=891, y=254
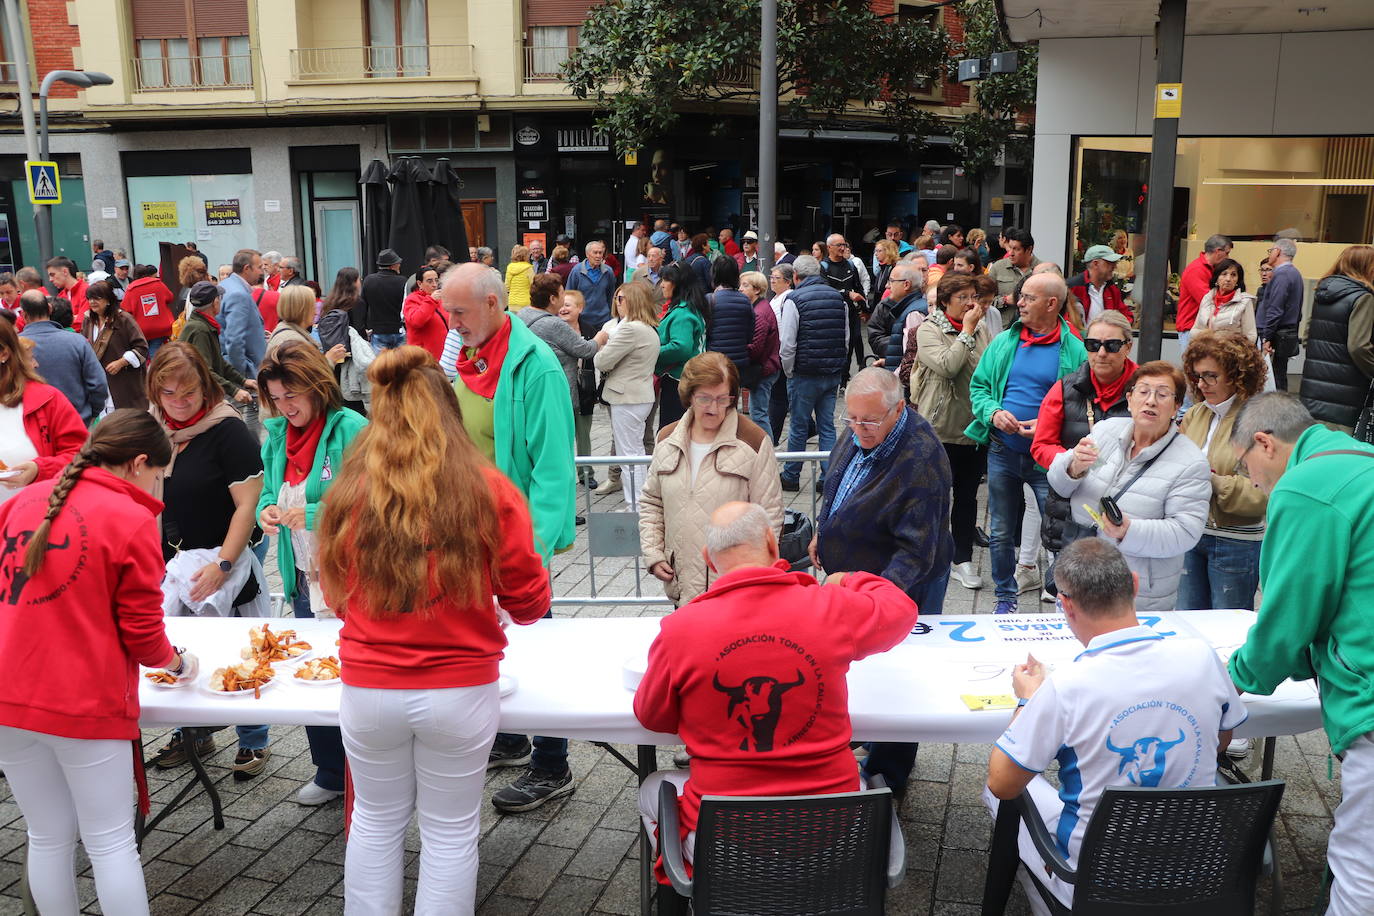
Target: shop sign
x=937, y=184
x=527, y=136
x=533, y=211
x=583, y=140
x=532, y=193
x=846, y=204
x=160, y=214
x=846, y=184
x=223, y=212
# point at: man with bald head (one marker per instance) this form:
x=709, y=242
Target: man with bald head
x=515, y=404
x=1015, y=373
x=841, y=274
x=751, y=674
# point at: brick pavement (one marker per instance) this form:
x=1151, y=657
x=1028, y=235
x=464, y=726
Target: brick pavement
x=579, y=854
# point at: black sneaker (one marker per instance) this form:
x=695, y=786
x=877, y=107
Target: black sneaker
x=791, y=486
x=174, y=753
x=249, y=763
x=532, y=789
x=517, y=756
x=980, y=537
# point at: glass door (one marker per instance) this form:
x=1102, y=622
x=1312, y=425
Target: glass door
x=337, y=236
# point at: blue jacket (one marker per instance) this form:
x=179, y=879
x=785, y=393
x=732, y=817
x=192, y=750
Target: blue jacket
x=597, y=293
x=822, y=319
x=70, y=365
x=244, y=338
x=702, y=265
x=893, y=358
x=732, y=326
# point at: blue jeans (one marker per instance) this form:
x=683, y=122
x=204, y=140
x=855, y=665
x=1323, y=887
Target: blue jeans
x=155, y=345
x=810, y=396
x=382, y=342
x=1219, y=573
x=326, y=741
x=550, y=754
x=760, y=398
x=1008, y=472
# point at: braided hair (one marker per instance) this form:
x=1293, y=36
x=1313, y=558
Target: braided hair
x=118, y=439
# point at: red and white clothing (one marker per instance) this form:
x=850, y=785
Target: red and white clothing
x=425, y=323
x=76, y=295
x=50, y=429
x=751, y=675
x=150, y=302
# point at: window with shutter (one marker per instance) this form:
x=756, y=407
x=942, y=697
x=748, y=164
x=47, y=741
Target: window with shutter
x=192, y=44
x=556, y=12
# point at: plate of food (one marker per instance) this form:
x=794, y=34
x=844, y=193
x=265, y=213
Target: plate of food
x=247, y=679
x=7, y=472
x=318, y=672
x=163, y=679
x=270, y=647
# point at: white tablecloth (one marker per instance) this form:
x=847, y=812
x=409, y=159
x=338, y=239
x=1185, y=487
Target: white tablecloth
x=570, y=677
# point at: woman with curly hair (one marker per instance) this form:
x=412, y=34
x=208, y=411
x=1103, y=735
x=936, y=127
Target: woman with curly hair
x=1224, y=370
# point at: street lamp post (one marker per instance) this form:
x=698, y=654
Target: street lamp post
x=83, y=79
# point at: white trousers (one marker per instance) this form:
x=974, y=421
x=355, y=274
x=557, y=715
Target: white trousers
x=627, y=430
x=423, y=752
x=648, y=807
x=70, y=787
x=1347, y=851
x=1029, y=553
x=1047, y=801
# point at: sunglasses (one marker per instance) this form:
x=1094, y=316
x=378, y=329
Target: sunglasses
x=1113, y=346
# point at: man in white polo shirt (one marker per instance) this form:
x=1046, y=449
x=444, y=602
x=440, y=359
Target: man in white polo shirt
x=1133, y=709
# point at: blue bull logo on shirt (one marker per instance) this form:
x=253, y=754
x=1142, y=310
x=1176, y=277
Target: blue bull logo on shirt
x=1143, y=761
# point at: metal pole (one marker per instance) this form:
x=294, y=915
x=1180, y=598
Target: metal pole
x=768, y=135
x=44, y=215
x=1163, y=155
x=21, y=67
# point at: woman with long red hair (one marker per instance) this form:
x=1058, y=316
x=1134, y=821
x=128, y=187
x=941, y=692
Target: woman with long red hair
x=40, y=430
x=418, y=582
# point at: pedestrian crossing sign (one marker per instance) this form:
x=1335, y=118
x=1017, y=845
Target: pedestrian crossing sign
x=44, y=185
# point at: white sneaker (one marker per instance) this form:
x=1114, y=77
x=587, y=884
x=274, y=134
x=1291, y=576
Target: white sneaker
x=1238, y=749
x=312, y=794
x=1046, y=597
x=963, y=574
x=609, y=485
x=1027, y=578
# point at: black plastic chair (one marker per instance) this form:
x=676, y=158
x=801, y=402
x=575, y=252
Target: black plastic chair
x=785, y=856
x=1163, y=852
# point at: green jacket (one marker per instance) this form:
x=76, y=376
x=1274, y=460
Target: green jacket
x=1318, y=585
x=989, y=380
x=681, y=336
x=198, y=333
x=341, y=427
x=533, y=421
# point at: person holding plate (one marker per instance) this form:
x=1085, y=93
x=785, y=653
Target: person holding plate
x=307, y=436
x=425, y=587
x=87, y=582
x=40, y=430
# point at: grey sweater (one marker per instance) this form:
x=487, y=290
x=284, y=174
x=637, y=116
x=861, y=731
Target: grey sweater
x=566, y=344
x=67, y=362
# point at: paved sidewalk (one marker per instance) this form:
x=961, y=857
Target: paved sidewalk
x=579, y=854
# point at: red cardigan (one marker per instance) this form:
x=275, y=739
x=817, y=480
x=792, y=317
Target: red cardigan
x=53, y=426
x=72, y=637
x=751, y=675
x=425, y=323
x=460, y=644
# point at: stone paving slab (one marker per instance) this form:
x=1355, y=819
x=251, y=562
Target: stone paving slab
x=579, y=854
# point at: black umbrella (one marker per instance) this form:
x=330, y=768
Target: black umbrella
x=376, y=212
x=446, y=206
x=409, y=199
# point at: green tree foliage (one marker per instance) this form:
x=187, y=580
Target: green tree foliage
x=1004, y=101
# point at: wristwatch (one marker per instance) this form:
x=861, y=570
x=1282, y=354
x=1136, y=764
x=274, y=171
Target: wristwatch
x=224, y=565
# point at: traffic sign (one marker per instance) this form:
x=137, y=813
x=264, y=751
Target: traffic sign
x=44, y=184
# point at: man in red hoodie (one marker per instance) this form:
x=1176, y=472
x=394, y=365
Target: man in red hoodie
x=1194, y=282
x=150, y=302
x=751, y=674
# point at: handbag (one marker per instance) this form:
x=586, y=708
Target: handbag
x=797, y=533
x=1364, y=426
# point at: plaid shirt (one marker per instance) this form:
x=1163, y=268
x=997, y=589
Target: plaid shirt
x=864, y=462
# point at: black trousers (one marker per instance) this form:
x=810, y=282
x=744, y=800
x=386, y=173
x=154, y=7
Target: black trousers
x=1285, y=343
x=856, y=342
x=967, y=463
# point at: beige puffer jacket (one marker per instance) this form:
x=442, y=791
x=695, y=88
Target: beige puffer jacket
x=674, y=512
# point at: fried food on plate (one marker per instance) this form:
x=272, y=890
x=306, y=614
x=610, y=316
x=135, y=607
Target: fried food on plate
x=319, y=669
x=266, y=646
x=238, y=678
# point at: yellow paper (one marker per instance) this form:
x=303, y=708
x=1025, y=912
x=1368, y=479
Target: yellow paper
x=1096, y=516
x=989, y=701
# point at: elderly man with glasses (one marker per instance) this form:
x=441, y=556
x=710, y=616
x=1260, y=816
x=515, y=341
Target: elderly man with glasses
x=886, y=511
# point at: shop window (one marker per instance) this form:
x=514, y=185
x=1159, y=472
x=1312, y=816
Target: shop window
x=192, y=44
x=441, y=133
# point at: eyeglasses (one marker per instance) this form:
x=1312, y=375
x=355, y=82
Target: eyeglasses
x=869, y=424
x=619, y=297
x=1113, y=346
x=1209, y=378
x=1159, y=394
x=705, y=400
x=776, y=277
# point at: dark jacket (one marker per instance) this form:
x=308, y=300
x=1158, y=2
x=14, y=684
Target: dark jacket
x=1334, y=386
x=875, y=292
x=731, y=329
x=702, y=265
x=764, y=349
x=68, y=363
x=1112, y=300
x=1282, y=308
x=822, y=318
x=896, y=524
x=889, y=316
x=843, y=277
x=110, y=342
x=597, y=294
x=1057, y=526
x=384, y=292
x=198, y=333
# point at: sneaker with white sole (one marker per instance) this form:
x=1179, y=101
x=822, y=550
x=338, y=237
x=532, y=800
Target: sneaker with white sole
x=1238, y=749
x=250, y=762
x=510, y=756
x=1046, y=597
x=1027, y=578
x=964, y=574
x=607, y=486
x=312, y=795
x=1005, y=606
x=532, y=789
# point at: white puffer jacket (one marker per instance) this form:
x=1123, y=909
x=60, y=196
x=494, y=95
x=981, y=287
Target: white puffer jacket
x=1167, y=506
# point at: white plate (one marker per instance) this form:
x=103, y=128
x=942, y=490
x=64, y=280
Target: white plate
x=236, y=694
x=314, y=682
x=632, y=670
x=292, y=662
x=507, y=684
x=158, y=685
x=10, y=474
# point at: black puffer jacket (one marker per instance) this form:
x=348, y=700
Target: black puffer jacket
x=1057, y=526
x=732, y=326
x=1333, y=387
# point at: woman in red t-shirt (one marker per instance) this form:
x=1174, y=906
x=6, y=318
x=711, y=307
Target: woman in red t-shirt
x=418, y=582
x=80, y=609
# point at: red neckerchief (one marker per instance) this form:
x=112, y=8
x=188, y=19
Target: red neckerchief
x=1219, y=298
x=178, y=424
x=957, y=324
x=301, y=445
x=480, y=369
x=1028, y=339
x=213, y=323
x=1116, y=390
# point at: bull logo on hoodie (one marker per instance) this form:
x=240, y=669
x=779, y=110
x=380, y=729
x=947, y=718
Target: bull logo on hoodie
x=756, y=704
x=14, y=549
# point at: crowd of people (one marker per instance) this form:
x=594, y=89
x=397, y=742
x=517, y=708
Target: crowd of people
x=176, y=438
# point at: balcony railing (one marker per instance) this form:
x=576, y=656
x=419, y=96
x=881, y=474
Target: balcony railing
x=210, y=71
x=544, y=63
x=382, y=62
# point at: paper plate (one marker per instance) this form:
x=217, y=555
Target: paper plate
x=309, y=682
x=632, y=671
x=158, y=685
x=236, y=694
x=507, y=684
